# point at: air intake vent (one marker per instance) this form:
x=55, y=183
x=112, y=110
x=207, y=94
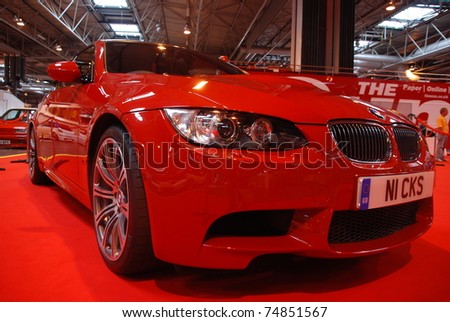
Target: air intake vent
x=362, y=141
x=362, y=225
x=252, y=223
x=408, y=141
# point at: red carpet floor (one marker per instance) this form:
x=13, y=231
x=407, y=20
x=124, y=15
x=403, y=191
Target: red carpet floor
x=48, y=253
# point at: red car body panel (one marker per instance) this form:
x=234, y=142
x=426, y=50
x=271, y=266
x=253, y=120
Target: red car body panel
x=190, y=189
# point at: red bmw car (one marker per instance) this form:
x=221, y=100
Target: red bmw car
x=189, y=160
x=13, y=127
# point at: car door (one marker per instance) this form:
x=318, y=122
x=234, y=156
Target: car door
x=71, y=109
x=64, y=109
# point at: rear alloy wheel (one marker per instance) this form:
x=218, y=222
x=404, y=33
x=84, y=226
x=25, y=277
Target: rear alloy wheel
x=37, y=176
x=119, y=205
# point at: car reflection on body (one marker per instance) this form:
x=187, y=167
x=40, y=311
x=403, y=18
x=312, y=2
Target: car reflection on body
x=13, y=127
x=189, y=160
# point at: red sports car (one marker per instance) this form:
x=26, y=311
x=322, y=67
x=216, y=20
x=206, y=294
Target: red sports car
x=189, y=160
x=13, y=127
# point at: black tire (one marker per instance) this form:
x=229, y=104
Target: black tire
x=120, y=207
x=37, y=176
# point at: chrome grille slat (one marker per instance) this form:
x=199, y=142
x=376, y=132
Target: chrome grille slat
x=408, y=142
x=365, y=142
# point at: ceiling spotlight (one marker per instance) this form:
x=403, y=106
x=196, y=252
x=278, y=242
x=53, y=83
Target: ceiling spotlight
x=187, y=29
x=390, y=6
x=19, y=21
x=411, y=75
x=58, y=48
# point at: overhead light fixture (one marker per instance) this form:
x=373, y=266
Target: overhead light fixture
x=126, y=29
x=111, y=3
x=390, y=6
x=58, y=48
x=187, y=29
x=411, y=75
x=19, y=21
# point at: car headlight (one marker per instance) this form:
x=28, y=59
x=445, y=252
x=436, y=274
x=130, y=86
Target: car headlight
x=236, y=130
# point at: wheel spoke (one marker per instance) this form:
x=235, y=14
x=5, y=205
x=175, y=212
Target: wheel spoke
x=114, y=237
x=102, y=170
x=123, y=186
x=32, y=138
x=105, y=214
x=32, y=154
x=32, y=159
x=100, y=192
x=122, y=179
x=124, y=209
x=118, y=235
x=113, y=160
x=109, y=234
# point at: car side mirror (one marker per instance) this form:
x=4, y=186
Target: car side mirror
x=64, y=71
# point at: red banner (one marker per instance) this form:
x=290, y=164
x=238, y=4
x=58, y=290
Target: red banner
x=424, y=99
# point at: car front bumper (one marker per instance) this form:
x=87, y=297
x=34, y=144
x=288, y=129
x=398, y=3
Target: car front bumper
x=13, y=141
x=222, y=208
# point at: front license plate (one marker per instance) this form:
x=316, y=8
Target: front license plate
x=382, y=191
x=5, y=142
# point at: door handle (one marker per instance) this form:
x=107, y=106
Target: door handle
x=86, y=116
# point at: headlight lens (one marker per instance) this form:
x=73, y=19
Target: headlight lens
x=229, y=129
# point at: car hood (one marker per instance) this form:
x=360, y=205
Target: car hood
x=277, y=96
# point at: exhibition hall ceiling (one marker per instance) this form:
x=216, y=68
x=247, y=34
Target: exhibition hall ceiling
x=45, y=31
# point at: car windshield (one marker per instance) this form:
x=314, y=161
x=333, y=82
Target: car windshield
x=15, y=114
x=148, y=58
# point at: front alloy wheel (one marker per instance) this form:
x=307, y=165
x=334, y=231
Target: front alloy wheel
x=119, y=205
x=37, y=176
